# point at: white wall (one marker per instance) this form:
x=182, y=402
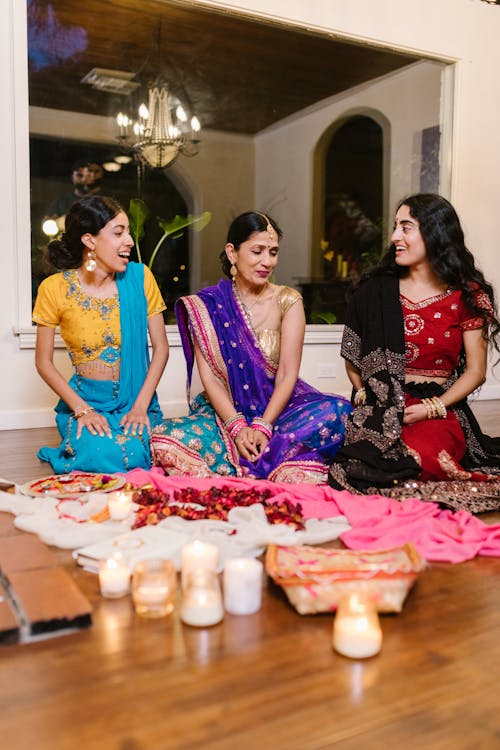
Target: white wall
x=465, y=31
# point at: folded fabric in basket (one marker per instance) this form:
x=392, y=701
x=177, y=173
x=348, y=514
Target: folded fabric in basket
x=315, y=579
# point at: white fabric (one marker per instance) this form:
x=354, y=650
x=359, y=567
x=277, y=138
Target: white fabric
x=245, y=534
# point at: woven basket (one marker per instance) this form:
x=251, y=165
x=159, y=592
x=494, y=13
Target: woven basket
x=315, y=578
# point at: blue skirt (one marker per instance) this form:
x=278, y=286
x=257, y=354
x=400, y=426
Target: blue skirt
x=118, y=453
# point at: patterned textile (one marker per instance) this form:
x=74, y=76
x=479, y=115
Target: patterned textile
x=433, y=330
x=89, y=326
x=379, y=452
x=113, y=399
x=306, y=434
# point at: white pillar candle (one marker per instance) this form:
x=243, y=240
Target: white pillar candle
x=201, y=599
x=243, y=586
x=119, y=505
x=114, y=577
x=198, y=555
x=356, y=628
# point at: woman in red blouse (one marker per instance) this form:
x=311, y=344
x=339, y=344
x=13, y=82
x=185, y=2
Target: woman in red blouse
x=415, y=344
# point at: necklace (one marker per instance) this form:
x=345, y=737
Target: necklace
x=250, y=305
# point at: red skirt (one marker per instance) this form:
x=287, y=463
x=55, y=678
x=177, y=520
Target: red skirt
x=438, y=445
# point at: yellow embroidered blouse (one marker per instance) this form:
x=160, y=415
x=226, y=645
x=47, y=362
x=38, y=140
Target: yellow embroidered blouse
x=269, y=334
x=90, y=327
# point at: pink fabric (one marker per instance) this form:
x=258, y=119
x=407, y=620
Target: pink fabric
x=377, y=522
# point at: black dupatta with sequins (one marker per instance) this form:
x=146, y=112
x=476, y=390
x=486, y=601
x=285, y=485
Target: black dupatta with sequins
x=373, y=453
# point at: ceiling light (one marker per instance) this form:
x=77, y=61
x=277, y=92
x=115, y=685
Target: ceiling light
x=123, y=159
x=111, y=166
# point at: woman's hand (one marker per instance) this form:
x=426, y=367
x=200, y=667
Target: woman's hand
x=95, y=423
x=415, y=413
x=135, y=421
x=248, y=443
x=260, y=441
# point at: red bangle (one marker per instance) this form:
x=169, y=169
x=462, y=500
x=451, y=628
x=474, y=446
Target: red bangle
x=261, y=425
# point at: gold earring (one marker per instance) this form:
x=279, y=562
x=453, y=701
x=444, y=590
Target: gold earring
x=90, y=263
x=233, y=271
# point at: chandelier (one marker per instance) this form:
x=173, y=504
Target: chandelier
x=161, y=131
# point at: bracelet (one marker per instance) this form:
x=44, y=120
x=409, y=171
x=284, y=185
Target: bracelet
x=431, y=408
x=440, y=407
x=360, y=397
x=235, y=424
x=435, y=408
x=83, y=412
x=261, y=425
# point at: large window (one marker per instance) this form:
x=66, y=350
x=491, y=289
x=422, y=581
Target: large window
x=61, y=168
x=265, y=95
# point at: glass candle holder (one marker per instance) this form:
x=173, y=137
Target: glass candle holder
x=119, y=505
x=202, y=599
x=356, y=628
x=198, y=555
x=154, y=584
x=114, y=576
x=242, y=586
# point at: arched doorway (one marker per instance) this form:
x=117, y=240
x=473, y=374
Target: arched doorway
x=350, y=211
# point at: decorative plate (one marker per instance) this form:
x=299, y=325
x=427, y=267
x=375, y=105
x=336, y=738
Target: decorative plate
x=63, y=485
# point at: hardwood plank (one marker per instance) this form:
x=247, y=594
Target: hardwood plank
x=269, y=680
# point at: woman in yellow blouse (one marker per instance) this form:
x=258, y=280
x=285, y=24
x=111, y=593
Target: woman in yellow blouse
x=105, y=306
x=255, y=417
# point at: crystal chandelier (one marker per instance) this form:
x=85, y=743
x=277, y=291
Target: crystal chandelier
x=162, y=130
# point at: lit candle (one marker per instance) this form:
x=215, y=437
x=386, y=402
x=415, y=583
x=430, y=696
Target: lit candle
x=114, y=577
x=356, y=628
x=243, y=586
x=201, y=599
x=154, y=584
x=119, y=505
x=198, y=555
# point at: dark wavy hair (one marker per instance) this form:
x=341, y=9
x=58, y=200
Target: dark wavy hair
x=241, y=228
x=447, y=253
x=87, y=215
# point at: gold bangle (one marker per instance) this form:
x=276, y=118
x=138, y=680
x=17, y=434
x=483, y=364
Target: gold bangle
x=83, y=412
x=360, y=397
x=440, y=407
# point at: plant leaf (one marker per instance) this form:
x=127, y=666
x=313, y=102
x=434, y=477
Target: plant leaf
x=323, y=317
x=179, y=223
x=137, y=213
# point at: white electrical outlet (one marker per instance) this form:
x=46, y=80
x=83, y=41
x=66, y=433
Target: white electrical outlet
x=326, y=371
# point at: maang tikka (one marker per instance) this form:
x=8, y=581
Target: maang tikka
x=269, y=229
x=90, y=263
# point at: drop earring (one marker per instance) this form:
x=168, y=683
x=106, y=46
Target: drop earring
x=90, y=263
x=233, y=271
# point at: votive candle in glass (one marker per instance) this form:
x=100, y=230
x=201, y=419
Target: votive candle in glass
x=198, y=555
x=356, y=628
x=114, y=577
x=201, y=599
x=119, y=505
x=242, y=586
x=154, y=583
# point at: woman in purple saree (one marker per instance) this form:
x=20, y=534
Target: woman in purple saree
x=255, y=417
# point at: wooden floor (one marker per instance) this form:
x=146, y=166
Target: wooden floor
x=270, y=681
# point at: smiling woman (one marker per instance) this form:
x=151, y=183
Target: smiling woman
x=255, y=416
x=105, y=307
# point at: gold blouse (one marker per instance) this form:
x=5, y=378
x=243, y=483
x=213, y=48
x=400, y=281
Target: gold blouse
x=269, y=332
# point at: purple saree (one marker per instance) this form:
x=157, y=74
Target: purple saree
x=306, y=435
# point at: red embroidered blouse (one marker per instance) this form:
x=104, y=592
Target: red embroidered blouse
x=433, y=331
